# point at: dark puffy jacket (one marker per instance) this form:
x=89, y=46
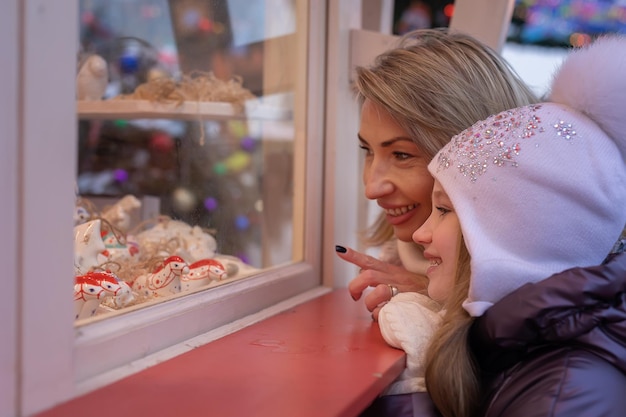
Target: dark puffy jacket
x=417, y=404
x=557, y=347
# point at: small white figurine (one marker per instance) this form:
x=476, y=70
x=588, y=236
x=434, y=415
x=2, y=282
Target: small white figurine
x=92, y=78
x=88, y=244
x=202, y=273
x=89, y=291
x=124, y=297
x=81, y=215
x=164, y=281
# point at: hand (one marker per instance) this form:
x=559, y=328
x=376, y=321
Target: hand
x=379, y=275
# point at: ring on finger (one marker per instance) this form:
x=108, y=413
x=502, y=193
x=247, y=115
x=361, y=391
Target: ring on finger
x=393, y=289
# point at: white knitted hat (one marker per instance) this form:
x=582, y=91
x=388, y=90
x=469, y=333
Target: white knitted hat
x=542, y=188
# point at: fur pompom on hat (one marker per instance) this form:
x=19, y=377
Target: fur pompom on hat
x=542, y=188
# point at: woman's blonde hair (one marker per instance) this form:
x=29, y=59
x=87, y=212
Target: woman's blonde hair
x=436, y=83
x=451, y=377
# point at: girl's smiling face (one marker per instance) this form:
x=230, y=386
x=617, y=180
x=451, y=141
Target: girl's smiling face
x=441, y=237
x=395, y=171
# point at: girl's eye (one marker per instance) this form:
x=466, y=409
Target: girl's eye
x=442, y=210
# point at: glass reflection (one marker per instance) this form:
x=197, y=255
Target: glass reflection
x=185, y=160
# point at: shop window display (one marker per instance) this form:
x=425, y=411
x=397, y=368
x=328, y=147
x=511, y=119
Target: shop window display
x=540, y=31
x=186, y=147
x=569, y=23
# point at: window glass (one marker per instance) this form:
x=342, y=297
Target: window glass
x=185, y=165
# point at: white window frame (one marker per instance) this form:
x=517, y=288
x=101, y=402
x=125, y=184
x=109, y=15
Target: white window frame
x=9, y=207
x=57, y=361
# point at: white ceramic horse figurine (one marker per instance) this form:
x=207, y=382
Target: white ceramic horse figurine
x=88, y=244
x=164, y=281
x=81, y=215
x=89, y=291
x=202, y=273
x=124, y=297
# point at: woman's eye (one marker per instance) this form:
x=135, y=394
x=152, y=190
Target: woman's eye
x=366, y=149
x=402, y=156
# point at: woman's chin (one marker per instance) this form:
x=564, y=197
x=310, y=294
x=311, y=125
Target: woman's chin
x=404, y=234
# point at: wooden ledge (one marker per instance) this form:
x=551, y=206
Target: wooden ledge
x=325, y=357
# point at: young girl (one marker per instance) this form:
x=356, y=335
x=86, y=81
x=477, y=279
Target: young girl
x=536, y=325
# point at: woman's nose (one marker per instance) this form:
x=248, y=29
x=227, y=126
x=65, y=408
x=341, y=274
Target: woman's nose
x=377, y=182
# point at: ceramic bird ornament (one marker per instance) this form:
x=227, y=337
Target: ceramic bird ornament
x=92, y=78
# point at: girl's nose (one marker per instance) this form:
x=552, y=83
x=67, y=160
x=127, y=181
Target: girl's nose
x=423, y=235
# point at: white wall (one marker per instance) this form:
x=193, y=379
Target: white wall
x=8, y=206
x=534, y=64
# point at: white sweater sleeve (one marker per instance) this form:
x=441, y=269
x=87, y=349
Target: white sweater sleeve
x=408, y=322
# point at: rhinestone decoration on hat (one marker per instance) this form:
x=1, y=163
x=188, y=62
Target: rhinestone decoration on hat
x=496, y=141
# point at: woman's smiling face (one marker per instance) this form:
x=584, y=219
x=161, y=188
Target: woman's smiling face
x=395, y=171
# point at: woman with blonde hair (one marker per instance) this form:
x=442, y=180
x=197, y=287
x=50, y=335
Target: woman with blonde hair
x=414, y=98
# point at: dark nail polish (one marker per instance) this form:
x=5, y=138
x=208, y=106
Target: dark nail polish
x=340, y=249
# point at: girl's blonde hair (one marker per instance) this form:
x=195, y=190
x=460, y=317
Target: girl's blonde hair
x=436, y=83
x=451, y=377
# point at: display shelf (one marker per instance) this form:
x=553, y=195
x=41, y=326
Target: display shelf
x=186, y=110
